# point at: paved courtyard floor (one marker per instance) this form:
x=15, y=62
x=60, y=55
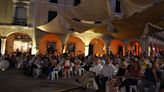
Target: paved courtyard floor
x=15, y=81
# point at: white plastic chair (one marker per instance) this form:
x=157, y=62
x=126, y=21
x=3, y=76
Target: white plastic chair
x=70, y=72
x=133, y=87
x=81, y=71
x=53, y=73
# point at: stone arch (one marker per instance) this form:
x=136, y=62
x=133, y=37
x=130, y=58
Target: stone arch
x=135, y=47
x=24, y=32
x=97, y=47
x=74, y=42
x=18, y=41
x=50, y=43
x=117, y=47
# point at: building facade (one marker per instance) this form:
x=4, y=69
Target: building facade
x=50, y=26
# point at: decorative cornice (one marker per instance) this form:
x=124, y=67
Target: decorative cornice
x=11, y=24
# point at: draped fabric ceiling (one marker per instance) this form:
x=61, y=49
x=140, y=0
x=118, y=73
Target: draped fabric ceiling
x=134, y=25
x=137, y=14
x=130, y=7
x=54, y=26
x=89, y=10
x=156, y=27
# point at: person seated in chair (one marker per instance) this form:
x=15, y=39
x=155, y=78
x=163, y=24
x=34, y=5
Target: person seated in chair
x=132, y=74
x=150, y=78
x=93, y=72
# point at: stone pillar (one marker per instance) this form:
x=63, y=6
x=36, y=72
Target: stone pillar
x=34, y=17
x=86, y=50
x=3, y=45
x=64, y=48
x=34, y=49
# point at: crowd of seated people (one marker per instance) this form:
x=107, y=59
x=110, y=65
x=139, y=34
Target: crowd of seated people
x=144, y=72
x=43, y=65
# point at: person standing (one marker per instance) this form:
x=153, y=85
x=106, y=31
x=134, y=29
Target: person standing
x=107, y=73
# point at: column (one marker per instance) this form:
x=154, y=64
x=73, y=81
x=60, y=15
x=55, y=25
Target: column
x=64, y=48
x=34, y=50
x=108, y=49
x=86, y=50
x=3, y=45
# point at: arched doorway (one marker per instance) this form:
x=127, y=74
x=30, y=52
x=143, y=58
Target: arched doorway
x=75, y=44
x=50, y=43
x=117, y=47
x=18, y=42
x=97, y=47
x=135, y=48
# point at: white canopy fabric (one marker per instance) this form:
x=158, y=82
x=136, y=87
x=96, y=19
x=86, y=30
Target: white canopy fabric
x=81, y=27
x=134, y=32
x=142, y=2
x=134, y=25
x=54, y=26
x=89, y=10
x=159, y=24
x=130, y=7
x=100, y=10
x=154, y=28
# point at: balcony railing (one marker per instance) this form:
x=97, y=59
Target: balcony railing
x=157, y=37
x=19, y=21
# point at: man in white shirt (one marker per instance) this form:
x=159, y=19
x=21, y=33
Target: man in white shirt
x=97, y=68
x=94, y=71
x=107, y=73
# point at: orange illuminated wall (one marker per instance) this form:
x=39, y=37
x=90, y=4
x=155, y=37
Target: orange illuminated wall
x=98, y=46
x=79, y=45
x=49, y=38
x=114, y=46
